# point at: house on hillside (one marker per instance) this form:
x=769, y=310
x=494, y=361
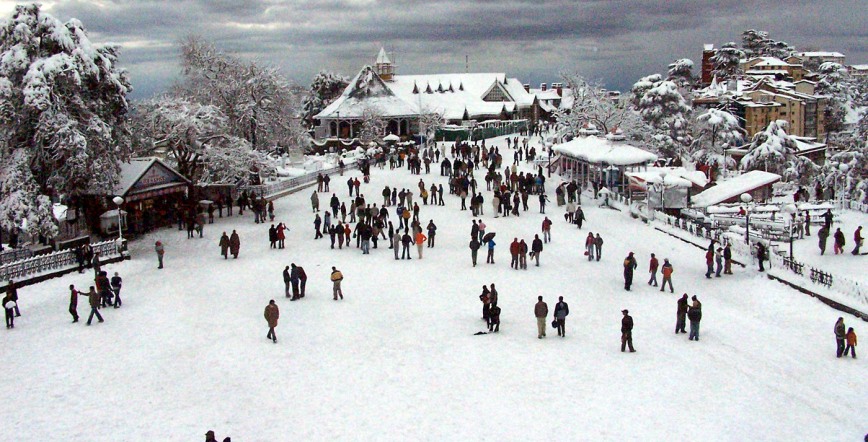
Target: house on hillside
x=401, y=100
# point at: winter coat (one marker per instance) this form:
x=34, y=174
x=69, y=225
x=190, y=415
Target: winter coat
x=272, y=313
x=116, y=282
x=234, y=243
x=494, y=315
x=474, y=231
x=406, y=239
x=840, y=332
x=694, y=314
x=598, y=241
x=653, y=265
x=491, y=244
x=224, y=244
x=667, y=270
x=727, y=253
x=159, y=248
x=682, y=306
x=94, y=298
x=421, y=238
x=514, y=248
x=562, y=310
x=474, y=244
x=851, y=338
x=626, y=324
x=839, y=238
x=537, y=245
x=630, y=264
x=337, y=276
x=709, y=257
x=541, y=309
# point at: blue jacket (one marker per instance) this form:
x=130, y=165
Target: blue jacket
x=491, y=245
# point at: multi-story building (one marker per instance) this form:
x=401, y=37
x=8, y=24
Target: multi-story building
x=774, y=68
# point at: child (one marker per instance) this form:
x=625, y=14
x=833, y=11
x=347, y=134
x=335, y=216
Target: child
x=494, y=319
x=851, y=342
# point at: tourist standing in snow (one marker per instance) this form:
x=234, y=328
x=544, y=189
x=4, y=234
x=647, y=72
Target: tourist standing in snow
x=547, y=230
x=9, y=307
x=12, y=291
x=224, y=246
x=652, y=269
x=627, y=331
x=234, y=244
x=727, y=260
x=485, y=298
x=694, y=314
x=541, y=310
x=598, y=245
x=336, y=278
x=579, y=217
x=94, y=299
x=158, y=247
x=314, y=201
x=474, y=250
x=589, y=246
x=432, y=230
x=396, y=244
x=494, y=320
x=294, y=280
x=857, y=239
x=823, y=236
x=760, y=254
x=681, y=315
x=666, y=271
x=840, y=336
x=629, y=265
x=839, y=241
x=286, y=280
x=420, y=242
x=73, y=303
x=543, y=198
x=851, y=343
x=116, y=287
x=718, y=260
x=490, y=258
x=513, y=253
x=536, y=247
x=561, y=312
x=406, y=240
x=709, y=262
x=272, y=313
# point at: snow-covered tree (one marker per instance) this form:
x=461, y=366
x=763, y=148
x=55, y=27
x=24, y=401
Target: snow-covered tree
x=836, y=84
x=754, y=42
x=637, y=92
x=259, y=104
x=590, y=105
x=773, y=150
x=681, y=72
x=429, y=120
x=664, y=108
x=199, y=141
x=726, y=61
x=373, y=125
x=716, y=131
x=325, y=88
x=63, y=122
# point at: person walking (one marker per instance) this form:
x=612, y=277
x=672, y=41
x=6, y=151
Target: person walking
x=598, y=245
x=116, y=288
x=73, y=303
x=536, y=247
x=666, y=271
x=474, y=249
x=839, y=241
x=234, y=244
x=629, y=265
x=541, y=311
x=589, y=246
x=823, y=236
x=627, y=332
x=314, y=201
x=94, y=300
x=494, y=320
x=272, y=313
x=579, y=217
x=336, y=278
x=681, y=315
x=709, y=263
x=224, y=246
x=158, y=247
x=561, y=312
x=851, y=343
x=9, y=302
x=694, y=314
x=718, y=260
x=652, y=269
x=857, y=240
x=547, y=230
x=294, y=280
x=490, y=258
x=840, y=336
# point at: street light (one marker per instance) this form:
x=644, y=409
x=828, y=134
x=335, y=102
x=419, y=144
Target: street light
x=791, y=209
x=746, y=198
x=118, y=201
x=843, y=167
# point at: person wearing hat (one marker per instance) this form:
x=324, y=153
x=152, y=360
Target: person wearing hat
x=629, y=265
x=627, y=331
x=209, y=436
x=666, y=271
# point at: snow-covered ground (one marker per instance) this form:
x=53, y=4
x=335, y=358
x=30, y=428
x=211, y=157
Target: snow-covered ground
x=398, y=358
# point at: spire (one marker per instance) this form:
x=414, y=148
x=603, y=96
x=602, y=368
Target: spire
x=382, y=58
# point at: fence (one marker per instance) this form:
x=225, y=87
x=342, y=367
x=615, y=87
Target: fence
x=12, y=255
x=281, y=186
x=480, y=132
x=53, y=261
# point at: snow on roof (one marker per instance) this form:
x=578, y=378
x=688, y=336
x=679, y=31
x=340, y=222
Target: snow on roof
x=522, y=97
x=770, y=61
x=600, y=150
x=859, y=67
x=59, y=211
x=382, y=58
x=368, y=91
x=820, y=54
x=732, y=188
x=804, y=144
x=671, y=177
x=131, y=173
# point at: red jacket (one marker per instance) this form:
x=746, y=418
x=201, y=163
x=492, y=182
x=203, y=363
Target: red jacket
x=654, y=264
x=709, y=257
x=514, y=248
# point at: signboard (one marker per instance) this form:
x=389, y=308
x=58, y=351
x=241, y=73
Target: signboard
x=156, y=175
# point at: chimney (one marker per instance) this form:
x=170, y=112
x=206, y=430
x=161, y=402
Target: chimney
x=560, y=89
x=526, y=87
x=542, y=87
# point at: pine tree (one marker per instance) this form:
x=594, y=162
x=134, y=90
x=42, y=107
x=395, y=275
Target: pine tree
x=63, y=117
x=717, y=130
x=727, y=60
x=325, y=88
x=773, y=150
x=664, y=108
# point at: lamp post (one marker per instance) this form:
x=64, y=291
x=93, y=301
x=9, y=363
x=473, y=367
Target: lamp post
x=118, y=201
x=843, y=167
x=790, y=209
x=746, y=198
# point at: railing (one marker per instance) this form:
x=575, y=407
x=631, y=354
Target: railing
x=53, y=261
x=271, y=189
x=12, y=255
x=821, y=277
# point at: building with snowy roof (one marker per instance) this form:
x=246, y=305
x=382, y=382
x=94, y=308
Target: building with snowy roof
x=757, y=183
x=601, y=161
x=401, y=99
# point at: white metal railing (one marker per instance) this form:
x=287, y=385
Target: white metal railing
x=53, y=261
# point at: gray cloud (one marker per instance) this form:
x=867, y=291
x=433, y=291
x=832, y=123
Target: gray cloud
x=614, y=41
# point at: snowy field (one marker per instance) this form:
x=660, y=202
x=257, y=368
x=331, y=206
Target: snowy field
x=398, y=358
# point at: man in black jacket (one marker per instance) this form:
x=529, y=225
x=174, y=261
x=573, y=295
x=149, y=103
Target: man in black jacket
x=681, y=315
x=536, y=248
x=627, y=332
x=561, y=312
x=694, y=315
x=629, y=265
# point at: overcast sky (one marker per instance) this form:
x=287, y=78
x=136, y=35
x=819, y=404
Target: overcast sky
x=609, y=40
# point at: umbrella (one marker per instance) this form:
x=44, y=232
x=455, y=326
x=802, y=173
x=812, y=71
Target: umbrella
x=391, y=137
x=488, y=236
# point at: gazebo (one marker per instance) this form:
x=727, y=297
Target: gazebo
x=594, y=159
